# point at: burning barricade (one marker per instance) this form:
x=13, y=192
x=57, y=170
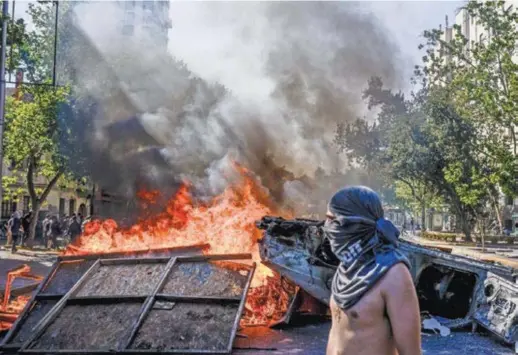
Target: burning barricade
x=182, y=272
x=179, y=267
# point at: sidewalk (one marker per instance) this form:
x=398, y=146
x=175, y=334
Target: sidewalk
x=39, y=261
x=503, y=254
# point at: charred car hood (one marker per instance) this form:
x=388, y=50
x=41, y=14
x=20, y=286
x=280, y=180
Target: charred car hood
x=457, y=290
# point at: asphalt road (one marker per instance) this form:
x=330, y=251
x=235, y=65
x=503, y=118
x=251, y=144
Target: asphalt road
x=312, y=339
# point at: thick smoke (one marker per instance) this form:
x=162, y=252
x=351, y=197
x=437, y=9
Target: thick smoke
x=262, y=83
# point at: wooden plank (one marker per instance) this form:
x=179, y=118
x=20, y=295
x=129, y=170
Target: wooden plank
x=216, y=257
x=48, y=296
x=124, y=352
x=66, y=351
x=195, y=299
x=66, y=276
x=241, y=308
x=146, y=307
x=207, y=279
x=45, y=321
x=71, y=298
x=174, y=250
x=132, y=261
x=135, y=279
x=88, y=327
x=174, y=351
x=23, y=314
x=85, y=300
x=187, y=325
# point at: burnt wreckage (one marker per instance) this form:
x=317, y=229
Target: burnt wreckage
x=457, y=290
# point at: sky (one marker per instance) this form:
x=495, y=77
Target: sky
x=405, y=20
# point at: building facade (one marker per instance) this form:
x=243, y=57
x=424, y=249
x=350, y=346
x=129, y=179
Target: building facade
x=143, y=19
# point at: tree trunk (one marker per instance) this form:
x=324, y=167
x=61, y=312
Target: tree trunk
x=36, y=206
x=466, y=227
x=37, y=201
x=423, y=215
x=497, y=212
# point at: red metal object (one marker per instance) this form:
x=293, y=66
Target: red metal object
x=22, y=271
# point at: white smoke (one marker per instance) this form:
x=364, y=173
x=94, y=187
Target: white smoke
x=261, y=82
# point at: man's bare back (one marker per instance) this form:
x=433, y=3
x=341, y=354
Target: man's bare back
x=384, y=322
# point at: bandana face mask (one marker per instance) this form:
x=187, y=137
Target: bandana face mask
x=363, y=241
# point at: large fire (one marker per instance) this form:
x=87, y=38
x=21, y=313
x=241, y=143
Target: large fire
x=226, y=223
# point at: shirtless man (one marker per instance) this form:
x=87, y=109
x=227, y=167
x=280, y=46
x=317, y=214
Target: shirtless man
x=374, y=305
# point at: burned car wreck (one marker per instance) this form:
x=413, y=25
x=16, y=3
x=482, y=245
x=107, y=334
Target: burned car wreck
x=457, y=290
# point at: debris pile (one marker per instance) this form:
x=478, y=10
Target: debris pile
x=168, y=304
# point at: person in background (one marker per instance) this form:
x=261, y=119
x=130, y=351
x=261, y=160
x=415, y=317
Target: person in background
x=45, y=224
x=26, y=223
x=374, y=304
x=14, y=226
x=74, y=229
x=83, y=223
x=53, y=232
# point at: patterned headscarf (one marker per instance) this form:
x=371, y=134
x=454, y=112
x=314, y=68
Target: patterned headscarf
x=363, y=240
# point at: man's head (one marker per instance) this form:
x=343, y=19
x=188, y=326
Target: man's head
x=356, y=201
x=356, y=212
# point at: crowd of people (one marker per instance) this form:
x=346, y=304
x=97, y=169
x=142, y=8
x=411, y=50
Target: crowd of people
x=47, y=230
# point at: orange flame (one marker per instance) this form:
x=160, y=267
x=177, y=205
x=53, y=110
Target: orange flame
x=226, y=223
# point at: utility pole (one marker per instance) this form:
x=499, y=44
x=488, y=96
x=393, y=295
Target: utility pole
x=5, y=15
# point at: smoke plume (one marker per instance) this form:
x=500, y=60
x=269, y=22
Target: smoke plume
x=263, y=83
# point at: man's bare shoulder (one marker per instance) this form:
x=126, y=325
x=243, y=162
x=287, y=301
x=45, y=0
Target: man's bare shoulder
x=397, y=280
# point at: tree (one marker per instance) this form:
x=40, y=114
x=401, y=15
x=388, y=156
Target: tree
x=35, y=132
x=31, y=139
x=481, y=81
x=423, y=147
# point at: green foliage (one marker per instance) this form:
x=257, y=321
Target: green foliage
x=32, y=130
x=445, y=237
x=481, y=79
x=423, y=147
x=454, y=141
x=35, y=130
x=411, y=196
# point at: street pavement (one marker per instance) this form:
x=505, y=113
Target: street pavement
x=40, y=263
x=309, y=337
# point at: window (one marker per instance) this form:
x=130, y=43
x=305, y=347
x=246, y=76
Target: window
x=129, y=18
x=148, y=5
x=148, y=18
x=5, y=209
x=509, y=200
x=128, y=30
x=61, y=207
x=71, y=206
x=26, y=203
